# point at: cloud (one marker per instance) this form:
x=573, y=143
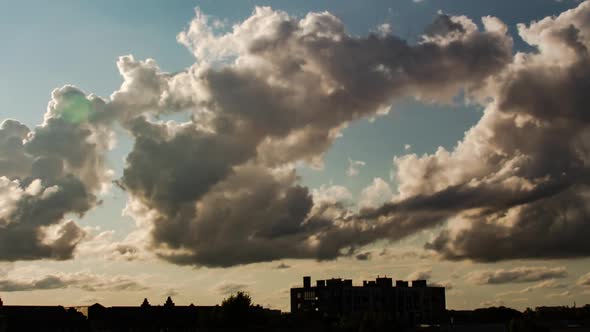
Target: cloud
x=517, y=275
x=584, y=280
x=424, y=274
x=447, y=284
x=406, y=254
x=384, y=29
x=221, y=189
x=546, y=284
x=562, y=294
x=282, y=266
x=363, y=256
x=353, y=166
x=218, y=183
x=333, y=194
x=102, y=244
x=171, y=292
x=227, y=288
x=5, y=268
x=519, y=175
x=49, y=172
x=375, y=194
x=492, y=303
x=81, y=280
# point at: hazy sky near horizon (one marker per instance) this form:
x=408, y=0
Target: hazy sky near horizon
x=196, y=148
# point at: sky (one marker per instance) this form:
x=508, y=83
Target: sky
x=197, y=148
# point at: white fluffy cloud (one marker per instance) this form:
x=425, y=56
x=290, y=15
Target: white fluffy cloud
x=377, y=193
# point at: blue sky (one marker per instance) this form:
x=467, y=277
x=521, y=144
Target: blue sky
x=46, y=46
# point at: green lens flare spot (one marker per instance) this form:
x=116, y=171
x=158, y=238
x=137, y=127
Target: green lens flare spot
x=75, y=109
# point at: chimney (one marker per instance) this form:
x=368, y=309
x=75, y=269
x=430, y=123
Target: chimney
x=306, y=282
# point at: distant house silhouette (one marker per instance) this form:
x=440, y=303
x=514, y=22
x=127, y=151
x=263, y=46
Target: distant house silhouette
x=169, y=303
x=40, y=318
x=336, y=297
x=332, y=305
x=145, y=303
x=146, y=317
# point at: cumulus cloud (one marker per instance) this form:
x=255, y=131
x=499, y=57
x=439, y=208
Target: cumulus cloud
x=334, y=194
x=517, y=275
x=219, y=190
x=375, y=194
x=275, y=91
x=49, y=172
x=82, y=280
x=520, y=174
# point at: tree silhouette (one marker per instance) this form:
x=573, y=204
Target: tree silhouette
x=236, y=309
x=238, y=300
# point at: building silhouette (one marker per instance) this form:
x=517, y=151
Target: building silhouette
x=415, y=304
x=335, y=305
x=40, y=318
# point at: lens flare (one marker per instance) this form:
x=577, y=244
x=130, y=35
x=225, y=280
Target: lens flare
x=75, y=109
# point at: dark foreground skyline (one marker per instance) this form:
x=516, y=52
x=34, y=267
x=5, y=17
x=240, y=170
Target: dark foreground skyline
x=329, y=305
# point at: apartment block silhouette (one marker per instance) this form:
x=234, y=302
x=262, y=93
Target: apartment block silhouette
x=417, y=303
